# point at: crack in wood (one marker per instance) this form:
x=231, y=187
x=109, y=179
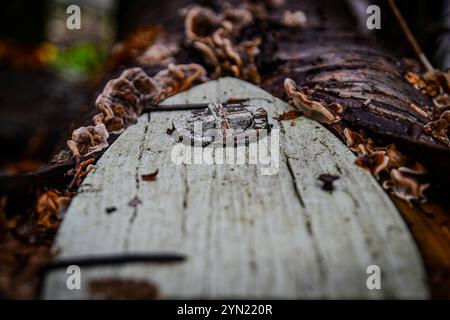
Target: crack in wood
x=290, y=170
x=185, y=201
x=137, y=181
x=294, y=182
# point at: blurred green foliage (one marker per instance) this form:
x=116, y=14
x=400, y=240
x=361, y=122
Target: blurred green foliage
x=79, y=61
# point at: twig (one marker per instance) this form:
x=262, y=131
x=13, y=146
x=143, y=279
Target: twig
x=78, y=170
x=175, y=107
x=179, y=107
x=231, y=102
x=94, y=261
x=410, y=37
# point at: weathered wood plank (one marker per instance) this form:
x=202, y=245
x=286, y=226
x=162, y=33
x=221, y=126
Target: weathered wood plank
x=246, y=235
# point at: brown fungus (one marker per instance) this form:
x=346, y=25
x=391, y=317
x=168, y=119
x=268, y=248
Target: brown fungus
x=416, y=169
x=442, y=102
x=405, y=185
x=200, y=23
x=438, y=128
x=177, y=78
x=122, y=100
x=159, y=53
x=373, y=162
x=396, y=158
x=412, y=78
x=48, y=206
x=87, y=140
x=436, y=84
x=294, y=19
x=403, y=179
x=438, y=79
x=369, y=153
x=310, y=108
x=440, y=124
x=355, y=141
x=214, y=36
x=239, y=17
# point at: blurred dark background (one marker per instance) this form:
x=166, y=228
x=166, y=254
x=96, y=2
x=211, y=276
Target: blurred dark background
x=50, y=75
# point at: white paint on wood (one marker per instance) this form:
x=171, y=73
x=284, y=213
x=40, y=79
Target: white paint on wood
x=246, y=235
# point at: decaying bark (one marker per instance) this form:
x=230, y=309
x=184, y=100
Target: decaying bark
x=336, y=66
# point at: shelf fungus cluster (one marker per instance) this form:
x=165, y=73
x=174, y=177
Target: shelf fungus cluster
x=160, y=53
x=148, y=46
x=399, y=173
x=435, y=84
x=123, y=99
x=87, y=140
x=315, y=110
x=215, y=37
x=294, y=19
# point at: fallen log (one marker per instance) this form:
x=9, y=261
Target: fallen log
x=247, y=229
x=333, y=65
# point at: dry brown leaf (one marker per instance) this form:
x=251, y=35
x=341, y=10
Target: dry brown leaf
x=118, y=289
x=289, y=115
x=150, y=176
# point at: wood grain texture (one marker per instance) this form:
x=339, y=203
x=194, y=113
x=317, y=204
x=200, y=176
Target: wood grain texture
x=246, y=235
